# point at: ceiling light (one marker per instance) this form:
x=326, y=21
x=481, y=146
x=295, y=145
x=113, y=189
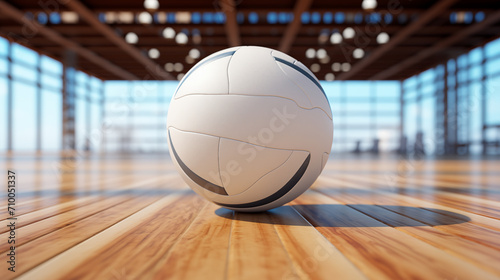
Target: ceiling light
x=180, y=76
x=154, y=53
x=126, y=17
x=346, y=66
x=189, y=60
x=151, y=4
x=197, y=39
x=310, y=53
x=336, y=66
x=323, y=36
x=194, y=53
x=358, y=53
x=161, y=17
x=183, y=17
x=110, y=17
x=168, y=33
x=169, y=67
x=131, y=38
x=196, y=36
x=325, y=60
x=382, y=38
x=145, y=18
x=181, y=38
x=315, y=67
x=321, y=53
x=336, y=38
x=329, y=77
x=178, y=67
x=348, y=33
x=369, y=4
x=69, y=17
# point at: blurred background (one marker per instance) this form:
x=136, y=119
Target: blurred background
x=408, y=77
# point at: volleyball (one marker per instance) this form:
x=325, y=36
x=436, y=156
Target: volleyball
x=249, y=128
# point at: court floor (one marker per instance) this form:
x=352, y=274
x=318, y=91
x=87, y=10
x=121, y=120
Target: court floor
x=132, y=217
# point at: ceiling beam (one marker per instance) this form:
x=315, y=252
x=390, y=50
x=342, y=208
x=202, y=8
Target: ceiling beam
x=294, y=26
x=154, y=69
x=433, y=12
x=231, y=25
x=34, y=27
x=439, y=46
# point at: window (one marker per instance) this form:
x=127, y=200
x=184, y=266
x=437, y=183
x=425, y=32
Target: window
x=23, y=117
x=51, y=120
x=25, y=95
x=3, y=113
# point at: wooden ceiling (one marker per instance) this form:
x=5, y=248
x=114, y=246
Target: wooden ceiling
x=422, y=33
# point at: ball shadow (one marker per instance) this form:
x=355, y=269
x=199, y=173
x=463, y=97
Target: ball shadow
x=350, y=215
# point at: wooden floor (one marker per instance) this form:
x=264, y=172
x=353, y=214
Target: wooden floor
x=131, y=217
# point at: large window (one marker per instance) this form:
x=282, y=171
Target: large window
x=362, y=111
x=4, y=44
x=35, y=86
x=455, y=105
x=51, y=104
x=136, y=115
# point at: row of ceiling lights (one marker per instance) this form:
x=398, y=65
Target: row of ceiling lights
x=323, y=57
x=348, y=33
x=154, y=4
x=181, y=38
x=336, y=67
x=193, y=55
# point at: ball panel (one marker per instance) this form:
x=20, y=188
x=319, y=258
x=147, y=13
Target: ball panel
x=242, y=164
x=253, y=71
x=283, y=56
x=303, y=67
x=272, y=122
x=314, y=93
x=213, y=72
x=273, y=186
x=198, y=152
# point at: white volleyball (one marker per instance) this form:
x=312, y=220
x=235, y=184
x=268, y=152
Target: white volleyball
x=249, y=128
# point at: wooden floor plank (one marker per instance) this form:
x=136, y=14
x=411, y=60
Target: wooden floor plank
x=480, y=255
x=34, y=204
x=256, y=250
x=32, y=217
x=398, y=255
x=41, y=249
x=42, y=201
x=201, y=251
x=58, y=267
x=129, y=255
x=451, y=239
x=471, y=204
x=455, y=226
x=312, y=254
x=400, y=198
x=53, y=223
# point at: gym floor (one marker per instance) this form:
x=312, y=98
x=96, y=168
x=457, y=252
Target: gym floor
x=132, y=217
